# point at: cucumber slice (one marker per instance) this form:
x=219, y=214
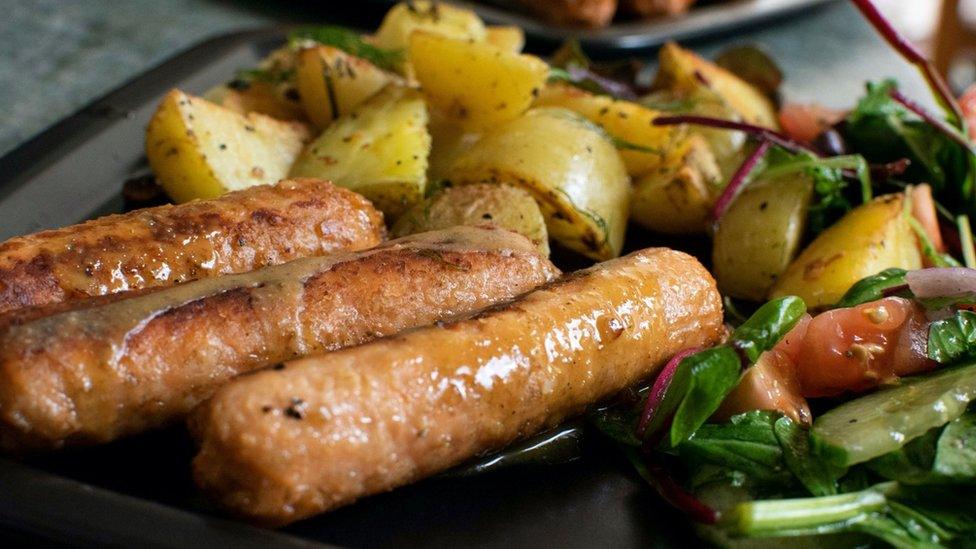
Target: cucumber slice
x=881, y=422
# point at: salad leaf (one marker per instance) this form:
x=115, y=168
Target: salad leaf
x=955, y=454
x=817, y=475
x=902, y=516
x=873, y=287
x=884, y=131
x=350, y=42
x=767, y=326
x=953, y=339
x=747, y=444
x=702, y=382
x=618, y=423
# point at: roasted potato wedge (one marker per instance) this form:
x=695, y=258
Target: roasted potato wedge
x=198, y=149
x=872, y=237
x=448, y=140
x=677, y=197
x=379, y=150
x=760, y=235
x=503, y=205
x=622, y=119
x=476, y=83
x=511, y=39
x=433, y=17
x=332, y=83
x=259, y=97
x=683, y=71
x=570, y=167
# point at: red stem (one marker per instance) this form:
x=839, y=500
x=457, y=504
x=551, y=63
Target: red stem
x=677, y=496
x=933, y=120
x=739, y=179
x=913, y=55
x=777, y=138
x=661, y=384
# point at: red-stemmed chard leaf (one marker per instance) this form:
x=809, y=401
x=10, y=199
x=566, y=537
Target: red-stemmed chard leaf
x=908, y=50
x=678, y=497
x=660, y=387
x=773, y=136
x=738, y=180
x=934, y=121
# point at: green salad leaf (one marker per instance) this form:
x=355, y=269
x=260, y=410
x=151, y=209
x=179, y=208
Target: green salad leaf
x=763, y=330
x=747, y=444
x=700, y=384
x=884, y=131
x=953, y=339
x=873, y=287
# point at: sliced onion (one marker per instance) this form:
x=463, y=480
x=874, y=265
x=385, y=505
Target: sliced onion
x=660, y=387
x=941, y=282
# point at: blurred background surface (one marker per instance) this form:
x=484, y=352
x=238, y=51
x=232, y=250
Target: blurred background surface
x=60, y=55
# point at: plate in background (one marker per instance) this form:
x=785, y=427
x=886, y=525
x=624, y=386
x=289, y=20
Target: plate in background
x=699, y=22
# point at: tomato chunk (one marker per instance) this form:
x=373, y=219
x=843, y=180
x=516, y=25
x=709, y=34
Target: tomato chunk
x=968, y=103
x=805, y=122
x=923, y=209
x=862, y=347
x=770, y=384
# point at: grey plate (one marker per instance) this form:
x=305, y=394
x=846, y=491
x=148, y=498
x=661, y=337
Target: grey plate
x=138, y=492
x=700, y=21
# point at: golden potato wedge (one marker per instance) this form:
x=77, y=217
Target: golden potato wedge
x=201, y=150
x=439, y=18
x=448, y=140
x=677, y=197
x=332, y=83
x=683, y=71
x=259, y=97
x=379, y=150
x=571, y=168
x=760, y=235
x=873, y=237
x=475, y=82
x=503, y=205
x=508, y=38
x=622, y=119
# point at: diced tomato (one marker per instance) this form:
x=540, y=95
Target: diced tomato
x=859, y=348
x=923, y=209
x=792, y=342
x=770, y=384
x=804, y=122
x=968, y=103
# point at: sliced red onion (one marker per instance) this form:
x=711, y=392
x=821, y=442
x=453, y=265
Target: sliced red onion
x=616, y=88
x=773, y=136
x=738, y=179
x=660, y=387
x=908, y=50
x=941, y=282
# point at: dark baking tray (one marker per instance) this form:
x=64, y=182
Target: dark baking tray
x=710, y=18
x=137, y=492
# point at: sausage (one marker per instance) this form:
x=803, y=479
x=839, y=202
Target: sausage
x=653, y=8
x=582, y=13
x=121, y=364
x=326, y=430
x=161, y=246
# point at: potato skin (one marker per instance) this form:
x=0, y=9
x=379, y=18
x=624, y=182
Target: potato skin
x=476, y=83
x=198, y=149
x=760, y=234
x=404, y=19
x=165, y=245
x=474, y=205
x=332, y=83
x=507, y=38
x=622, y=119
x=569, y=165
x=873, y=237
x=380, y=150
x=683, y=71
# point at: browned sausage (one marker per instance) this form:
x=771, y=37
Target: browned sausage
x=651, y=8
x=326, y=430
x=582, y=13
x=120, y=364
x=161, y=246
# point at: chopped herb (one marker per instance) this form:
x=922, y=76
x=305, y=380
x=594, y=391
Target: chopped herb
x=350, y=42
